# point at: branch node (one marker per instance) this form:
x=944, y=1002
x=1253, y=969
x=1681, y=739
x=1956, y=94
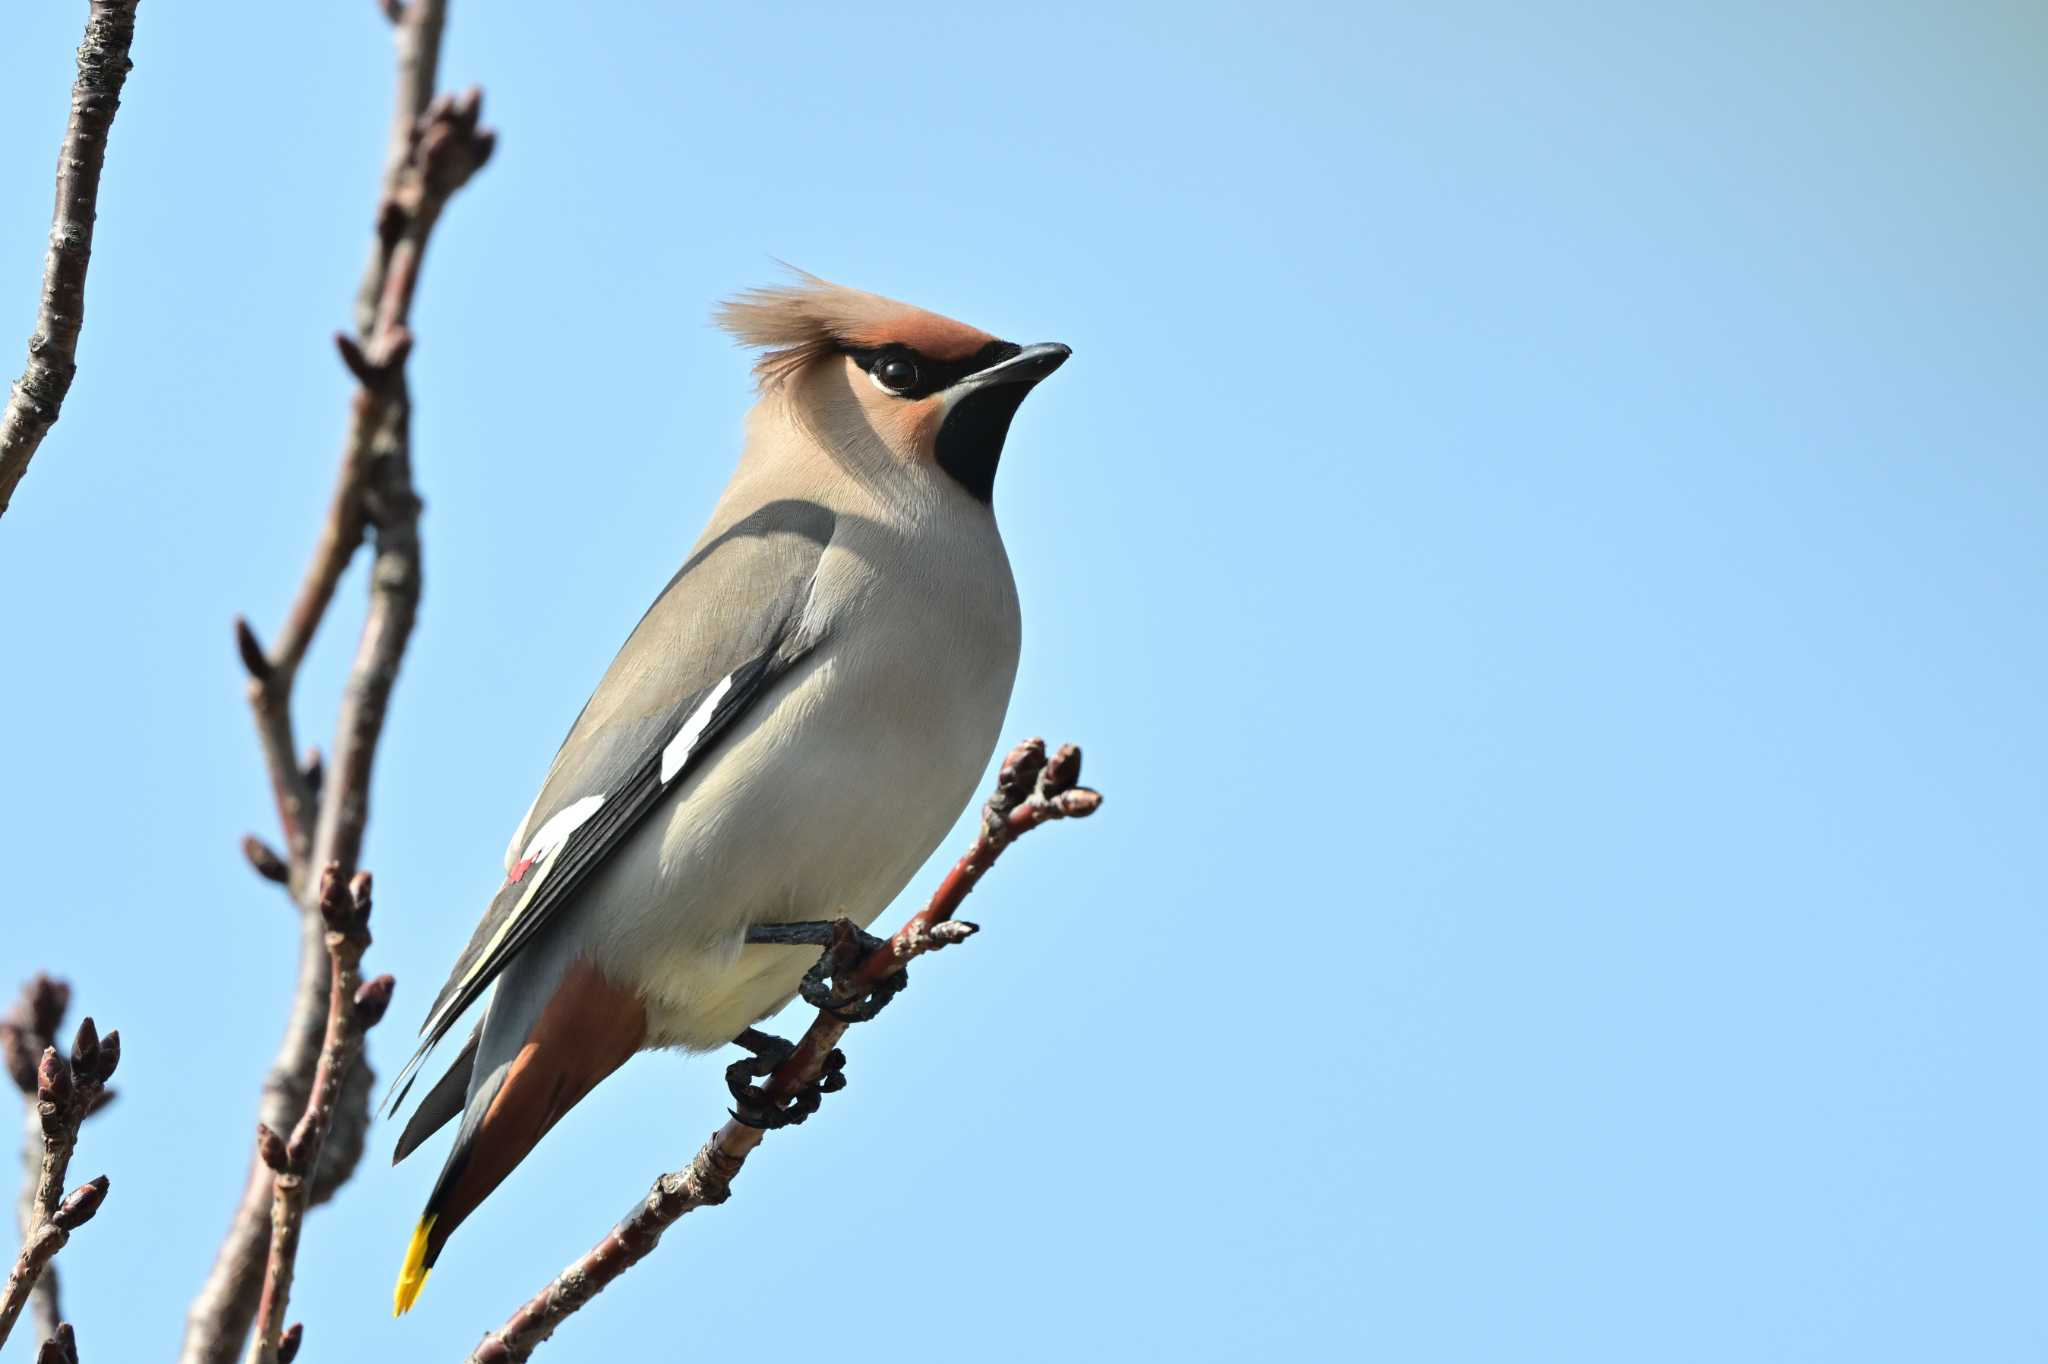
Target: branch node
x=264, y=859
x=372, y=1000
x=355, y=361
x=53, y=1081
x=85, y=1049
x=43, y=1004
x=1078, y=803
x=270, y=1149
x=336, y=908
x=1062, y=770
x=391, y=219
x=447, y=147
x=1015, y=780
x=397, y=350
x=79, y=1206
x=253, y=658
x=952, y=931
x=345, y=905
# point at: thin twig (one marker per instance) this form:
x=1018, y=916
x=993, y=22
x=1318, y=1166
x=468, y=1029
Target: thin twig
x=1030, y=790
x=65, y=1092
x=436, y=145
x=27, y=1031
x=32, y=408
x=354, y=1006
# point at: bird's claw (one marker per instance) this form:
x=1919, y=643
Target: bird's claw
x=850, y=947
x=754, y=1105
x=845, y=946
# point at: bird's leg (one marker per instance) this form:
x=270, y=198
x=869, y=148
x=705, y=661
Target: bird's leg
x=846, y=946
x=753, y=1105
x=809, y=933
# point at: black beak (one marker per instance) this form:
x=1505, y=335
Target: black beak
x=1027, y=366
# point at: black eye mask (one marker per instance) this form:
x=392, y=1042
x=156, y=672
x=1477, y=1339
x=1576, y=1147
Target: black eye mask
x=932, y=376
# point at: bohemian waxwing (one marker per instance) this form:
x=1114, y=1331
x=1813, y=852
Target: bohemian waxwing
x=784, y=739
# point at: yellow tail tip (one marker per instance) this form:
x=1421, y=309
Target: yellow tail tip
x=412, y=1275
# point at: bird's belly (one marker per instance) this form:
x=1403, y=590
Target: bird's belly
x=824, y=804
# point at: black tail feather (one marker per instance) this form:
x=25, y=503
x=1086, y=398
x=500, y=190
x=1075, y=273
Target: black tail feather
x=442, y=1102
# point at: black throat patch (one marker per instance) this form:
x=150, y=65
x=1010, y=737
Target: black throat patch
x=970, y=441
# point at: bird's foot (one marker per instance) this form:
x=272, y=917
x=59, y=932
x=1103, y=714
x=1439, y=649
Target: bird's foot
x=754, y=1105
x=846, y=947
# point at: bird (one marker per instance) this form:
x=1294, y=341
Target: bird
x=783, y=740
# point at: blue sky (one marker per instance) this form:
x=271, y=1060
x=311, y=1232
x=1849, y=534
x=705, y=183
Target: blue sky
x=1542, y=538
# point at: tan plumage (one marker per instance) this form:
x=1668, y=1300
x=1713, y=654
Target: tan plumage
x=845, y=626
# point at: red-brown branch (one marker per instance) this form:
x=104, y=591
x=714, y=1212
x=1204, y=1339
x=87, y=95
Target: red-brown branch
x=37, y=398
x=1031, y=790
x=435, y=145
x=64, y=1093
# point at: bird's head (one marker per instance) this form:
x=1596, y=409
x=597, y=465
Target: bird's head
x=865, y=372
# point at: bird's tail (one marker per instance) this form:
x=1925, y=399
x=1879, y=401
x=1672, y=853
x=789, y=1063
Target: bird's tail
x=412, y=1275
x=587, y=1030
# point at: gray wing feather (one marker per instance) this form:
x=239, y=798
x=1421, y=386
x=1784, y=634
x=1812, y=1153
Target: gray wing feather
x=443, y=1101
x=714, y=614
x=726, y=627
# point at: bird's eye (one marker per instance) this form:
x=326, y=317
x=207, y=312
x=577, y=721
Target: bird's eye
x=895, y=373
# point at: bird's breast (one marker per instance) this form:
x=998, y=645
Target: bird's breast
x=829, y=795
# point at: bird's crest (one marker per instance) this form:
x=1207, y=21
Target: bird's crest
x=797, y=323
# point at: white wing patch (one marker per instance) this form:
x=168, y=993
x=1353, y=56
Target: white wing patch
x=555, y=832
x=678, y=751
x=532, y=867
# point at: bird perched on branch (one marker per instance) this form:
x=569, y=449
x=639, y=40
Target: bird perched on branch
x=788, y=733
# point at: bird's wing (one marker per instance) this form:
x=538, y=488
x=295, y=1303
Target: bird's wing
x=729, y=624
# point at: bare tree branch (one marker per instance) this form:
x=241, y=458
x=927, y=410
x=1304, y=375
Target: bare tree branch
x=435, y=146
x=1030, y=790
x=354, y=1006
x=65, y=1093
x=27, y=1031
x=32, y=408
